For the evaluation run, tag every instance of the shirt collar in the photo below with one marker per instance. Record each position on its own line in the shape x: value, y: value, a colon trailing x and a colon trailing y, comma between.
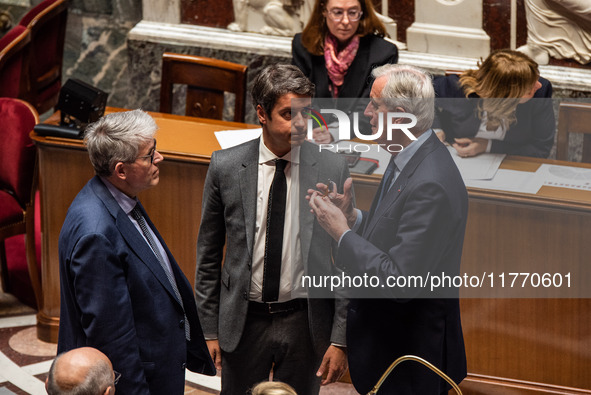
x: 125, y: 202
x: 408, y: 152
x: 265, y: 154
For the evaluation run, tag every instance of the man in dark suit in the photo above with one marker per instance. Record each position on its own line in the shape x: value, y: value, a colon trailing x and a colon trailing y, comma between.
x: 122, y: 291
x: 249, y: 329
x: 415, y: 228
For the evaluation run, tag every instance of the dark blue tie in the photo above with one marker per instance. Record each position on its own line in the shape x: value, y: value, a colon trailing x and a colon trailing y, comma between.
x: 387, y: 180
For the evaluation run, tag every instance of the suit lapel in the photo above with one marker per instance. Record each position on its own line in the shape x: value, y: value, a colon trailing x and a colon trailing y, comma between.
x: 401, y: 182
x: 248, y: 176
x: 132, y: 236
x: 308, y: 179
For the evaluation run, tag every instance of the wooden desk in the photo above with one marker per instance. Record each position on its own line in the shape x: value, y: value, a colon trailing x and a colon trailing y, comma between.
x: 514, y: 346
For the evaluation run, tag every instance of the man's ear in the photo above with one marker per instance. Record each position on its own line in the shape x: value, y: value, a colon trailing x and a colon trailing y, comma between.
x: 110, y: 390
x: 261, y: 114
x: 46, y: 383
x: 120, y: 171
x: 399, y: 119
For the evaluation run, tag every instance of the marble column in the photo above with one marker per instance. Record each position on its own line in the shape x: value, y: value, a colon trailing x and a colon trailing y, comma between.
x: 448, y: 27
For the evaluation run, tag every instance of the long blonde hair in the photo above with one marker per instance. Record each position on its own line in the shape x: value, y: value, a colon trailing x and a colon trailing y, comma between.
x: 316, y: 29
x: 503, y: 78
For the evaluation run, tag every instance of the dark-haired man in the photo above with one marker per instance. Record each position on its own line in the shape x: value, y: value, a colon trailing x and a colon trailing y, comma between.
x: 254, y: 321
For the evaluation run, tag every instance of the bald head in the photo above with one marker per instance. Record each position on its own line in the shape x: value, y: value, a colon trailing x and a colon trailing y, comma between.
x: 83, y: 370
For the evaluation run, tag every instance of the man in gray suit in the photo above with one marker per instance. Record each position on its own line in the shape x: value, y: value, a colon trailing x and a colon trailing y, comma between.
x: 255, y: 323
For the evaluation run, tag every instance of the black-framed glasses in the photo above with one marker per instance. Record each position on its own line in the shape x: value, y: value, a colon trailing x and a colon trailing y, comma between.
x: 117, y: 377
x: 337, y: 14
x: 150, y: 155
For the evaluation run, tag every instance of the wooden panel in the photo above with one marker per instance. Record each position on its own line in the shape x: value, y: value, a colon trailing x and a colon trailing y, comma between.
x: 63, y: 171
x: 175, y: 208
x: 523, y: 346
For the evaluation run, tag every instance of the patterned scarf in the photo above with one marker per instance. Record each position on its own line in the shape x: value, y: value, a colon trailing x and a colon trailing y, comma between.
x: 337, y: 64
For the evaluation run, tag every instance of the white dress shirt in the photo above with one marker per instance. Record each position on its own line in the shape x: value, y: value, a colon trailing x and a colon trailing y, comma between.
x: 292, y: 268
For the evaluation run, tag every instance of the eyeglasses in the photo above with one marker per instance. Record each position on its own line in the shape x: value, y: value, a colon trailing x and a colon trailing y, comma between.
x: 150, y: 155
x: 337, y: 14
x: 117, y: 377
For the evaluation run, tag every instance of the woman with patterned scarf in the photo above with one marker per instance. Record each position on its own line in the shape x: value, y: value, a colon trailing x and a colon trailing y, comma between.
x: 342, y: 42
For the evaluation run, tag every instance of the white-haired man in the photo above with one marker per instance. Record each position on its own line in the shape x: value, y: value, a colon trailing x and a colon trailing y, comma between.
x: 415, y: 226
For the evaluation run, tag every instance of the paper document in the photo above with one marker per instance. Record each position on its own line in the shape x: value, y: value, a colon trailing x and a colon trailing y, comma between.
x: 564, y: 177
x: 480, y: 167
x: 230, y: 138
x: 510, y: 181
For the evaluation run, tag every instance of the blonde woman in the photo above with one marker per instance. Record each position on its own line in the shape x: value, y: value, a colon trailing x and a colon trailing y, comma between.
x: 507, y: 120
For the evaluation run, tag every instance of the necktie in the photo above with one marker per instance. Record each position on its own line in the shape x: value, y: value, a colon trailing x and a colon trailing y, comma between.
x: 137, y: 215
x: 387, y: 180
x: 274, y: 234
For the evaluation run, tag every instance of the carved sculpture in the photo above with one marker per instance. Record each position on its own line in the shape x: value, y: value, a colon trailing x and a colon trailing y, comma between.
x: 284, y: 17
x: 558, y: 28
x: 273, y: 17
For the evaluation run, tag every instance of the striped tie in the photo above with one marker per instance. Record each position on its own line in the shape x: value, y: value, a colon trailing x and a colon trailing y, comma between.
x: 137, y: 215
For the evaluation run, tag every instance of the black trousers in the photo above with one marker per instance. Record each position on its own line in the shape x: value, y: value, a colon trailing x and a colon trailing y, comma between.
x: 272, y: 345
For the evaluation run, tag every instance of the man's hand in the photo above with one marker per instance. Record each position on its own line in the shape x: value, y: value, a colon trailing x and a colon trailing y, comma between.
x: 343, y: 201
x: 334, y: 364
x: 329, y: 216
x: 216, y: 353
x: 467, y: 147
x: 321, y: 135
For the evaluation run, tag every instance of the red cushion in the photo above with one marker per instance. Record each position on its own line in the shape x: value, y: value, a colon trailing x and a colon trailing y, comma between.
x: 10, y: 73
x: 10, y: 211
x: 11, y: 35
x: 17, y: 152
x: 35, y: 11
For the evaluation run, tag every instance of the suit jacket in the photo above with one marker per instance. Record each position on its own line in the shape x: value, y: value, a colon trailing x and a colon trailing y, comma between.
x: 418, y: 228
x: 373, y: 52
x: 531, y: 135
x: 228, y: 218
x: 116, y: 297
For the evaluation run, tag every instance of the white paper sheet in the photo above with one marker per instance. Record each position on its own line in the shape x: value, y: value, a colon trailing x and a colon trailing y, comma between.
x: 230, y: 138
x: 481, y: 167
x: 564, y: 177
x: 510, y: 181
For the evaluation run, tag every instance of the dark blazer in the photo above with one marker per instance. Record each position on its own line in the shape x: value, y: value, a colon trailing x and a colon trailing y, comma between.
x: 373, y: 51
x: 116, y: 297
x: 531, y: 135
x: 417, y: 229
x: 229, y: 218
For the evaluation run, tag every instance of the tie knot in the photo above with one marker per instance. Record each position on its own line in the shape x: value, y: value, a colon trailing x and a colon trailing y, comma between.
x: 136, y: 212
x: 280, y: 164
